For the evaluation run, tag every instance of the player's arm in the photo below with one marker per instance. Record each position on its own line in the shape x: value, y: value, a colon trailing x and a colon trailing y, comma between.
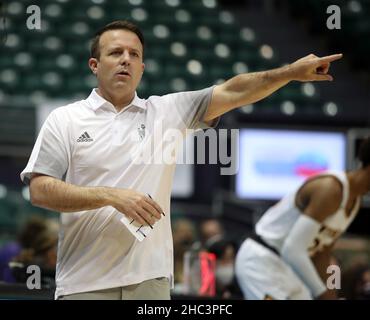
x: 54, y: 194
x: 323, y: 200
x: 248, y: 88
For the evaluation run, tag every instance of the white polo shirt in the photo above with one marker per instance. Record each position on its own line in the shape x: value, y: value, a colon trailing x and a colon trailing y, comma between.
x: 88, y: 143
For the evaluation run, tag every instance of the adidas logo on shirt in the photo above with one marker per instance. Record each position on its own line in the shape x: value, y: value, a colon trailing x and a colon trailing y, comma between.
x: 85, y: 138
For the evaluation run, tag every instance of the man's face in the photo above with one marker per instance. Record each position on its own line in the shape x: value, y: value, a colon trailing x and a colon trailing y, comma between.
x: 120, y: 66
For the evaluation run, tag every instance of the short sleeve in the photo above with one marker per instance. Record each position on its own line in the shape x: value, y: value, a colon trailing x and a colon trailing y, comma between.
x: 187, y: 109
x: 49, y: 155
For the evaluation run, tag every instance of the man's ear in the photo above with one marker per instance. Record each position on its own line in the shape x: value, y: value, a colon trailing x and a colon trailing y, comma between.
x: 143, y: 67
x: 93, y: 65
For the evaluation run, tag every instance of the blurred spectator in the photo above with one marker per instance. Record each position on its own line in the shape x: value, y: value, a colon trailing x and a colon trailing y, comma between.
x: 356, y: 282
x: 209, y: 229
x: 226, y: 284
x: 34, y: 226
x: 43, y: 253
x: 183, y: 238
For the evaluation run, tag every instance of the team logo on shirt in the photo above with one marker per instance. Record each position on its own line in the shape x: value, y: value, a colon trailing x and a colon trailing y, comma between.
x: 141, y: 131
x: 85, y: 137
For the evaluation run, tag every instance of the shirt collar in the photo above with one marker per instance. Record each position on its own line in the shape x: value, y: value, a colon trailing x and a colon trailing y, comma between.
x: 96, y: 101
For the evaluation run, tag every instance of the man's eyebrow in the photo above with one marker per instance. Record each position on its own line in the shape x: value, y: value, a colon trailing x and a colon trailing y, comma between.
x: 114, y: 48
x: 120, y: 48
x: 135, y: 50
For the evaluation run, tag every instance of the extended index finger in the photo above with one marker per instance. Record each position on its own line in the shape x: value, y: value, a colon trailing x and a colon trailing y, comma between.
x: 331, y: 58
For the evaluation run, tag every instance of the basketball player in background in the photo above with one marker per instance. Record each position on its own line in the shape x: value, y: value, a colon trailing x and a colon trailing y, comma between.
x: 289, y: 254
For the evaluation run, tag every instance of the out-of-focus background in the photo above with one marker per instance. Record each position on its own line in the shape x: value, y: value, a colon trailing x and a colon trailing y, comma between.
x: 300, y: 130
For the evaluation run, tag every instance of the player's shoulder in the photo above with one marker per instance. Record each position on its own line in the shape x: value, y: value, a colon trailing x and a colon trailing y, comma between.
x: 324, y: 195
x: 330, y: 183
x: 327, y: 186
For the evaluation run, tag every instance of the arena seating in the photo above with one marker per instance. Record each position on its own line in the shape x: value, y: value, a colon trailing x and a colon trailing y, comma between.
x: 189, y: 45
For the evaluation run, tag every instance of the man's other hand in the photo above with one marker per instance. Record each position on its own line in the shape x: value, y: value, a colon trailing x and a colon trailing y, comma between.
x: 139, y: 207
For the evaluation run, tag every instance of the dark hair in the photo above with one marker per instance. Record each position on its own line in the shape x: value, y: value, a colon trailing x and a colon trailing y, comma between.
x: 115, y: 25
x: 218, y: 245
x: 364, y: 152
x: 34, y: 226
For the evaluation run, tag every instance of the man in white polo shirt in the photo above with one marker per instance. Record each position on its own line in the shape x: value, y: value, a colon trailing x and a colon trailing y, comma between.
x: 115, y: 237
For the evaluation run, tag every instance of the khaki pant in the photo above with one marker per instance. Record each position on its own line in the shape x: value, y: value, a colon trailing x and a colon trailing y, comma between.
x: 154, y: 289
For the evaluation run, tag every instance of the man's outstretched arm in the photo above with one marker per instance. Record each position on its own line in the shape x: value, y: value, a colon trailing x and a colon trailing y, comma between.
x: 248, y: 88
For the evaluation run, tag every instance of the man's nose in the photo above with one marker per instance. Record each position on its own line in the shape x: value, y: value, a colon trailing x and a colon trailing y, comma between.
x: 125, y: 58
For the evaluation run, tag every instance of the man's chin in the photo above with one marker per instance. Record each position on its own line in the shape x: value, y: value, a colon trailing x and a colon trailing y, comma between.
x: 121, y: 84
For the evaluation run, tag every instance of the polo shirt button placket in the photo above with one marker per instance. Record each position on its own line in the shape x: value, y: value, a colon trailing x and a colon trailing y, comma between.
x: 116, y: 136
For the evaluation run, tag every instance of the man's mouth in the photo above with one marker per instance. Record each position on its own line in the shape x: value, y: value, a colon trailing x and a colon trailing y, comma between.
x: 123, y: 73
